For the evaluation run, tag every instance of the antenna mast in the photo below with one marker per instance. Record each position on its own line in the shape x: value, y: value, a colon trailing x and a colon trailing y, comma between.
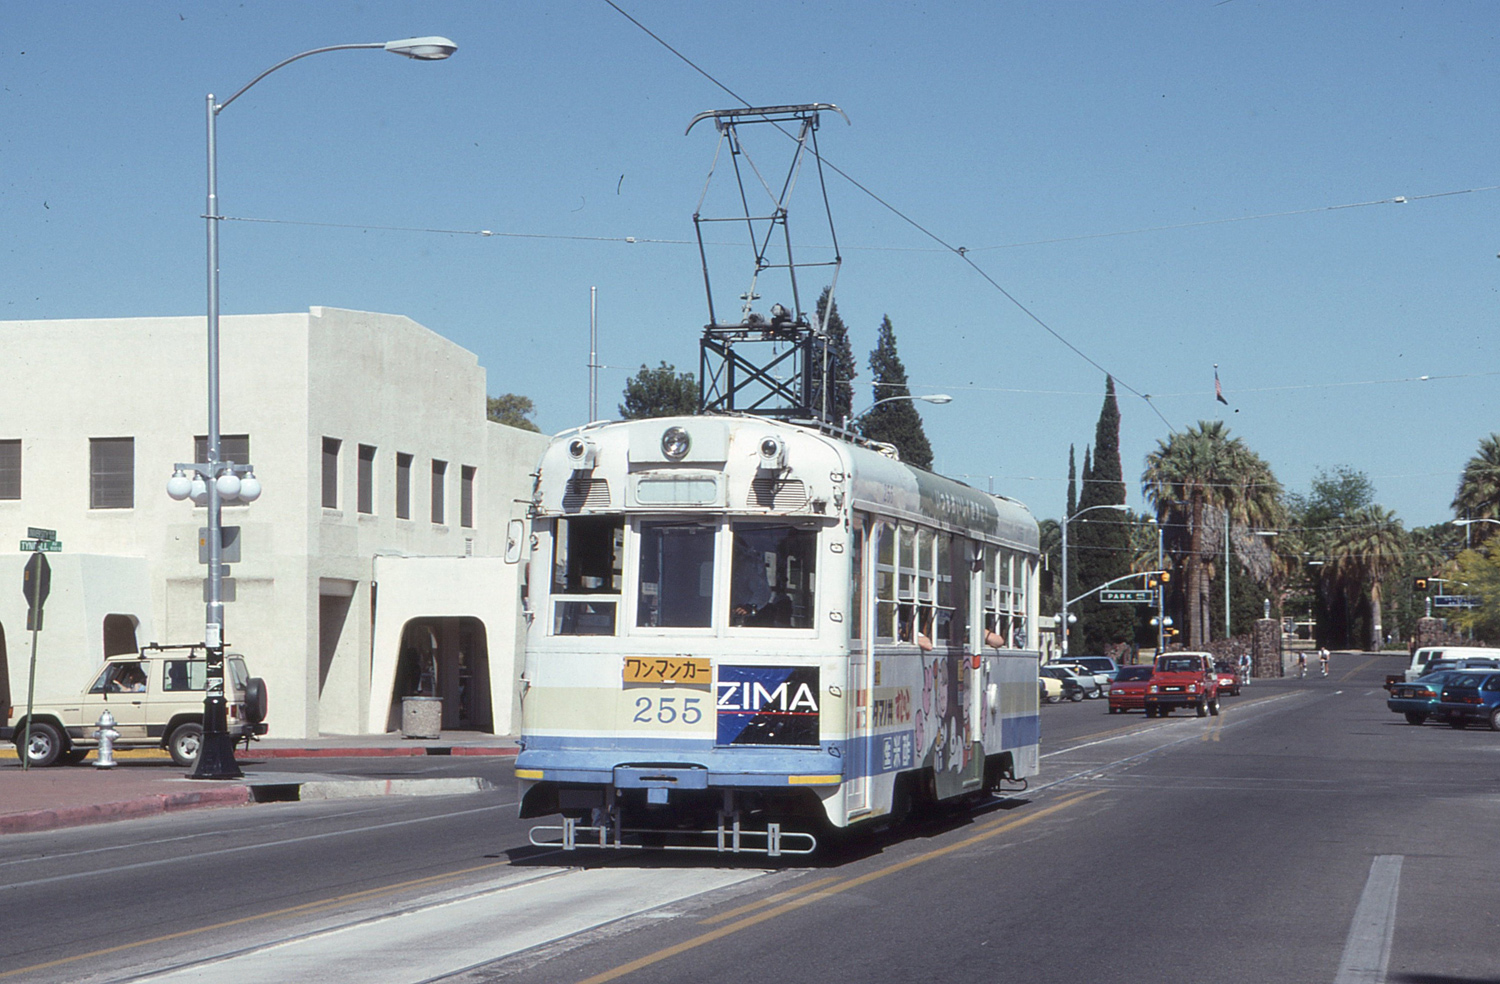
x: 772, y: 366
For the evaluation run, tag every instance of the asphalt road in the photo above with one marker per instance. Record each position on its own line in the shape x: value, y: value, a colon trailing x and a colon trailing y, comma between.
x: 1306, y: 834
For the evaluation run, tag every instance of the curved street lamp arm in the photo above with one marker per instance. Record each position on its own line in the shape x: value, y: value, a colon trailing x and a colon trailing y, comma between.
x: 220, y: 107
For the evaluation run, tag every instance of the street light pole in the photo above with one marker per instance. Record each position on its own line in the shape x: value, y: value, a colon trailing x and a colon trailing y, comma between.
x: 938, y: 398
x: 1065, y: 522
x: 216, y: 752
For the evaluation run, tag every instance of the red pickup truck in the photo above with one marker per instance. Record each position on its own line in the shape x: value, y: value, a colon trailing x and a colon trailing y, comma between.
x: 1183, y: 680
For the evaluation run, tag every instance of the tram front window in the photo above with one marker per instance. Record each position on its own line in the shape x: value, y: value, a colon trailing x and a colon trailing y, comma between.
x: 586, y: 555
x: 772, y: 580
x: 677, y: 575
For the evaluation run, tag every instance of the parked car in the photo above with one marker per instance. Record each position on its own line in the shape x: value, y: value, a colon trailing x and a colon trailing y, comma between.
x: 1427, y: 654
x: 1072, y: 684
x: 1472, y: 697
x: 156, y: 699
x: 1128, y: 692
x: 1097, y: 665
x: 1051, y: 689
x: 1419, y: 699
x: 1094, y: 685
x: 1229, y: 678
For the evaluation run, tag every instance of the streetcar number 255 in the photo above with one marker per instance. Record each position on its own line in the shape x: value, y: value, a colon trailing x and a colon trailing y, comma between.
x: 668, y: 710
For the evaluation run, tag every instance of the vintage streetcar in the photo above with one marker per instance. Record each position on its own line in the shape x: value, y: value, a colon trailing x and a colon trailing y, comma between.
x: 743, y: 632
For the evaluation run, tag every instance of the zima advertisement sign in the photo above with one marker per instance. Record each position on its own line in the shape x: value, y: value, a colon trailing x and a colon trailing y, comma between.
x: 767, y: 705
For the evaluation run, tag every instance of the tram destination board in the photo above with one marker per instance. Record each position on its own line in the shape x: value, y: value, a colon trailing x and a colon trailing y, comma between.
x: 691, y: 671
x: 1146, y: 597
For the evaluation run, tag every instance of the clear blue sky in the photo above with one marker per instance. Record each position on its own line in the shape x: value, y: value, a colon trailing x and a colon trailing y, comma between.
x: 1154, y: 181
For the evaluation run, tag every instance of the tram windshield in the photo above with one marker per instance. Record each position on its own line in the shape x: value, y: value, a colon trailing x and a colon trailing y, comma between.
x: 772, y: 579
x: 676, y: 575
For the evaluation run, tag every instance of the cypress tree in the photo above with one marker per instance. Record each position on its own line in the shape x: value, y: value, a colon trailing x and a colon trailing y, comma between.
x: 1104, y: 534
x: 840, y: 364
x: 897, y: 421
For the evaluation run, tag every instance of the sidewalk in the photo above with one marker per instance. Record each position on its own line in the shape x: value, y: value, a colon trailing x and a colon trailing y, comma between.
x: 145, y: 783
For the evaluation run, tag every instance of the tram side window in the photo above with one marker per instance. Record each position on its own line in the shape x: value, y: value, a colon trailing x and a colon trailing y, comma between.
x: 586, y: 560
x: 772, y: 577
x: 884, y: 542
x: 676, y: 576
x: 997, y: 595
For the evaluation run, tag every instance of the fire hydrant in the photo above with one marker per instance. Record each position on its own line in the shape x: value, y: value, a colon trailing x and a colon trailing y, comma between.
x: 106, y: 734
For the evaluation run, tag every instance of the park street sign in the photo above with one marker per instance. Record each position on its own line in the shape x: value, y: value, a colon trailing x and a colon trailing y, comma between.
x: 1455, y: 601
x: 1134, y: 597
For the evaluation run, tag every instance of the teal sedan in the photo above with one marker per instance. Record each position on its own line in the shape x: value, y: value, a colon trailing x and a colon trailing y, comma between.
x: 1419, y: 699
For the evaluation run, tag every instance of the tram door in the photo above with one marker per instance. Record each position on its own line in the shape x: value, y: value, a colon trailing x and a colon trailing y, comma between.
x: 857, y: 761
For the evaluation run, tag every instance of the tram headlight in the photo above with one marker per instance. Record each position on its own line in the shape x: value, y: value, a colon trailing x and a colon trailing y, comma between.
x: 675, y: 443
x: 583, y: 452
x: 772, y: 453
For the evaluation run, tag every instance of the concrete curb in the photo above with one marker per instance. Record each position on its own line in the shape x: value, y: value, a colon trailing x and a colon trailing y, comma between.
x: 360, y: 788
x: 391, y: 751
x: 77, y: 816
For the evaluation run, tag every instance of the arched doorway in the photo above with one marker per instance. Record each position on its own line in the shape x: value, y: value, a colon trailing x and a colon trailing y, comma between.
x: 446, y: 658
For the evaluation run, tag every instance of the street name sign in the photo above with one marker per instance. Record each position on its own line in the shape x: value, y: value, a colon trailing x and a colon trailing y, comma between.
x: 1134, y: 597
x: 41, y: 546
x: 1455, y: 601
x: 37, y: 533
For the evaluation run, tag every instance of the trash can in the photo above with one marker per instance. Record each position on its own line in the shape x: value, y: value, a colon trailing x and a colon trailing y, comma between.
x: 421, y: 717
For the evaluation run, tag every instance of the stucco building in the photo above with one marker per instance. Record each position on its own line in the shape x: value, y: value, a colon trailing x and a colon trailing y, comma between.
x: 372, y: 566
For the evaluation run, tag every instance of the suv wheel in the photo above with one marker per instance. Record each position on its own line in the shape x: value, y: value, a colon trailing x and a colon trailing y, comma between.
x: 1203, y: 709
x: 45, y: 745
x: 185, y: 742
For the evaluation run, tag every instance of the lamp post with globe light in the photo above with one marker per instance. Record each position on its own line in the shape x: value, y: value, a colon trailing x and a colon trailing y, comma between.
x: 215, y: 481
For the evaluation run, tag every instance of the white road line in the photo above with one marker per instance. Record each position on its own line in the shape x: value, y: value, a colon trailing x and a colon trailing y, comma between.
x: 244, y: 848
x: 445, y: 939
x: 1367, y: 951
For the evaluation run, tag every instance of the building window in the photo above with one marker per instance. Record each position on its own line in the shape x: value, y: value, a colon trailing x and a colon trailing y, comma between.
x: 232, y: 447
x: 331, y: 447
x: 403, y: 486
x: 10, y: 469
x: 111, y: 472
x: 466, y: 497
x: 439, y: 475
x: 366, y: 479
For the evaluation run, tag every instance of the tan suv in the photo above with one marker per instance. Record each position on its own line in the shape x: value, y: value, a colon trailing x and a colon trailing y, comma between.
x: 156, y: 698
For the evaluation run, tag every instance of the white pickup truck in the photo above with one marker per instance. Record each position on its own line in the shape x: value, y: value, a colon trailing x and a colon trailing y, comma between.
x: 1430, y: 654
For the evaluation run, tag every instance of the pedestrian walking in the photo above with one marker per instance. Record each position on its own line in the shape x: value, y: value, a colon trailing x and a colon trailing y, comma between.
x: 1245, y: 669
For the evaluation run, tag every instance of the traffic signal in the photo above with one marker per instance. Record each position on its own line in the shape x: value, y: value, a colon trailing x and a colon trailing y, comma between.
x: 1158, y: 578
x: 1419, y: 584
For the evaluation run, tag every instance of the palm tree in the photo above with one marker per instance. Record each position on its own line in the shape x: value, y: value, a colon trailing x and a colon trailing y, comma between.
x: 1366, y: 552
x: 1479, y: 489
x: 1199, y: 479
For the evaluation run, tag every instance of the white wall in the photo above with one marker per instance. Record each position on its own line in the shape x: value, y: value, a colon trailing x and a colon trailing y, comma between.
x: 287, y: 380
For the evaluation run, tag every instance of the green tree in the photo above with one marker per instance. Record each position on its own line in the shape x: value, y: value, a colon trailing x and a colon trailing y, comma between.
x: 511, y: 409
x: 841, y: 369
x: 895, y: 421
x: 659, y: 392
x: 1196, y: 480
x: 1335, y: 498
x: 1479, y: 570
x: 1479, y: 489
x: 1103, y: 535
x: 1363, y: 554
